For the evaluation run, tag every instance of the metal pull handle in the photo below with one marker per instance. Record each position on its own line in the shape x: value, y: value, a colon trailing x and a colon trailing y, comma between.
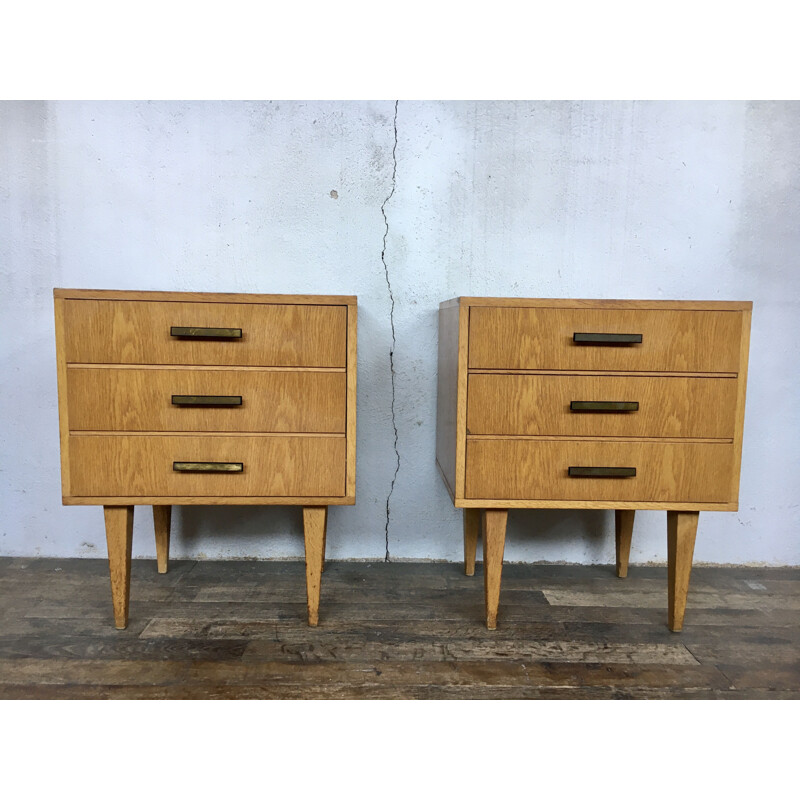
x: 602, y: 472
x: 607, y: 406
x: 207, y: 466
x: 206, y: 400
x: 206, y: 333
x: 607, y: 338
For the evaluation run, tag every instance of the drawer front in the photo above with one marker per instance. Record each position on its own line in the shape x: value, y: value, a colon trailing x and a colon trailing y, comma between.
x: 525, y: 469
x: 702, y: 408
x: 130, y: 399
x: 272, y: 466
x: 542, y: 338
x: 138, y: 332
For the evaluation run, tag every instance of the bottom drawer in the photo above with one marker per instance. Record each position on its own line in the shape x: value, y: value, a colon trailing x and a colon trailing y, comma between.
x: 526, y: 469
x: 142, y: 466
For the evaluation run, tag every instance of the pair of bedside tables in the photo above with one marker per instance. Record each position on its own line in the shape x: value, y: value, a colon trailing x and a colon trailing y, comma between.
x: 170, y: 398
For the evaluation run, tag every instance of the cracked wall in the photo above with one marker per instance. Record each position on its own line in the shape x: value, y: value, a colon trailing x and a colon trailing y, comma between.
x: 404, y: 205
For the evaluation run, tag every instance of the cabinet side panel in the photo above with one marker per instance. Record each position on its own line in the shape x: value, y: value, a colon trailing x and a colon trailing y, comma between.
x: 744, y: 357
x: 447, y: 395
x: 63, y: 418
x: 352, y: 369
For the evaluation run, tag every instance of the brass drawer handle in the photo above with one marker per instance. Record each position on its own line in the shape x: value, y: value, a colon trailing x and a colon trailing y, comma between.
x: 602, y: 472
x: 207, y: 466
x: 607, y: 406
x: 607, y: 338
x: 206, y: 400
x: 206, y: 333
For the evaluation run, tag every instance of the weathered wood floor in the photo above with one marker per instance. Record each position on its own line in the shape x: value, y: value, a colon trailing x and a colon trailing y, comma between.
x: 400, y: 630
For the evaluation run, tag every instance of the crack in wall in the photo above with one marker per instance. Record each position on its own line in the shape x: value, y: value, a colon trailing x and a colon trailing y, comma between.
x: 391, y: 322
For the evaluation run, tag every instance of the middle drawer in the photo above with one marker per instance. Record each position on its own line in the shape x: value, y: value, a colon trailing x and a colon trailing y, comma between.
x: 160, y: 399
x: 531, y: 405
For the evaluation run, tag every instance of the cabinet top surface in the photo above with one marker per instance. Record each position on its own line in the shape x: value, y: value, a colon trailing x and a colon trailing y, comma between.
x: 527, y: 302
x: 205, y: 297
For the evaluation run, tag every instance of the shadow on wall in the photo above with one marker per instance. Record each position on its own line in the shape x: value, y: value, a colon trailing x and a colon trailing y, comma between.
x: 553, y: 531
x: 250, y: 530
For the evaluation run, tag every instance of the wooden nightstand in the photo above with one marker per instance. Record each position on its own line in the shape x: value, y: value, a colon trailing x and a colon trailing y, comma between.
x: 612, y: 404
x: 172, y: 398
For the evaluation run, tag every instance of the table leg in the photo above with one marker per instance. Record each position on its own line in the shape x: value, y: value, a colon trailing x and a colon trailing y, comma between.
x: 623, y: 529
x: 472, y: 524
x: 119, y: 535
x: 161, y: 521
x: 314, y: 524
x: 681, y: 534
x: 494, y: 539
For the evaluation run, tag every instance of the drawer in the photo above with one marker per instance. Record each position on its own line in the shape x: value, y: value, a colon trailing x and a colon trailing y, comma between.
x: 273, y: 466
x: 525, y: 469
x: 139, y: 332
x: 132, y: 399
x: 542, y: 338
x: 701, y: 408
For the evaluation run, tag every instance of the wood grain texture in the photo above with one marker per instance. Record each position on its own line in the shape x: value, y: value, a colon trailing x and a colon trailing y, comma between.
x: 744, y: 358
x: 541, y: 338
x: 352, y: 382
x: 315, y: 520
x: 447, y: 395
x: 540, y: 405
x: 461, y: 399
x: 103, y: 399
x: 681, y: 533
x: 531, y: 469
x: 205, y: 297
x: 141, y: 466
x: 55, y: 643
x: 623, y: 534
x: 494, y: 537
x: 121, y: 332
x: 63, y: 407
x: 472, y: 526
x: 641, y: 505
x: 622, y: 305
x: 162, y: 516
x: 119, y: 536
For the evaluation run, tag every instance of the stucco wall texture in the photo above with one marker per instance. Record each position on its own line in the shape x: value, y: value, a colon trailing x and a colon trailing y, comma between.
x: 404, y: 205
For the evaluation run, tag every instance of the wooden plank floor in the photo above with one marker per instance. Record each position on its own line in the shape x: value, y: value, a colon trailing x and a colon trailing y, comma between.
x: 236, y: 629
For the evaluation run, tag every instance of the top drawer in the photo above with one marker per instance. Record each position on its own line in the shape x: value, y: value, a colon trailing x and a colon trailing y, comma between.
x: 138, y: 332
x: 542, y: 338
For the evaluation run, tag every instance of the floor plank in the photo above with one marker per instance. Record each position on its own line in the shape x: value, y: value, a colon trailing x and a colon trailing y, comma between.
x: 407, y: 630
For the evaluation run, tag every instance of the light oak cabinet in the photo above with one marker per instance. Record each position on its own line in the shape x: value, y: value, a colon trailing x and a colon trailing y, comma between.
x: 591, y: 404
x: 173, y: 398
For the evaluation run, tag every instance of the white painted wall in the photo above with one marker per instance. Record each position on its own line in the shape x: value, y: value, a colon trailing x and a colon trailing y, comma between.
x: 531, y: 199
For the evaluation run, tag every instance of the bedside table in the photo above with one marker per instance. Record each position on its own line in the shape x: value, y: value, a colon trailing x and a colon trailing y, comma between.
x: 611, y: 404
x: 173, y: 398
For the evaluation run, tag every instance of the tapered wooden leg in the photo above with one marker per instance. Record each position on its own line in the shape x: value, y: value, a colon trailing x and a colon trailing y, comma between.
x: 472, y: 524
x: 681, y: 533
x: 494, y: 539
x: 324, y: 539
x: 119, y: 534
x: 314, y: 523
x: 161, y: 520
x: 623, y: 525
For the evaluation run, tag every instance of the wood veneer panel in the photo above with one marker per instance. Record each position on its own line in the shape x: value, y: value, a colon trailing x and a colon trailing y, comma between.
x: 560, y: 302
x: 447, y: 397
x: 509, y: 469
x: 278, y: 466
x: 205, y: 297
x: 540, y: 405
x: 542, y: 338
x: 123, y: 332
x: 107, y: 399
x: 352, y: 379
